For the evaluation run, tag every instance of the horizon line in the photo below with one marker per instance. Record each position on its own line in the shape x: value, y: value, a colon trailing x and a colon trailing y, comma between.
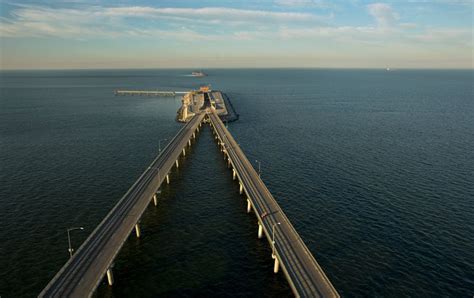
x: 265, y: 67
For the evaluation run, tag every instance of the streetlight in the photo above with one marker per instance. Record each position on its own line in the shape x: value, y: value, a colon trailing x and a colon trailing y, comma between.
x: 159, y: 144
x: 273, y: 239
x: 259, y: 168
x: 69, y: 238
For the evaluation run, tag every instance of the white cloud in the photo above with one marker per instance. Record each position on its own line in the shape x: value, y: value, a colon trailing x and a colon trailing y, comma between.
x: 217, y: 23
x: 446, y: 36
x: 408, y: 25
x: 38, y: 21
x: 383, y: 13
x: 332, y: 32
x: 451, y: 2
x: 302, y: 3
x: 98, y: 21
x: 210, y: 14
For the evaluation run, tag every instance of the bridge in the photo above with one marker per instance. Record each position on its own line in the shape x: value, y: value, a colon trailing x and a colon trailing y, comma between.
x: 83, y: 272
x: 305, y: 276
x: 80, y: 276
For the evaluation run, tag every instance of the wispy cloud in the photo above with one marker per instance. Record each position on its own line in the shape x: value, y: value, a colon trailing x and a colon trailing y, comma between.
x: 453, y: 2
x: 383, y: 13
x: 303, y: 3
x: 210, y: 13
x: 294, y: 26
x: 458, y: 36
x: 37, y: 21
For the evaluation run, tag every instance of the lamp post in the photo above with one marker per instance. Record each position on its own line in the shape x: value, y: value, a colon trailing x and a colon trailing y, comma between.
x: 273, y: 238
x: 69, y: 239
x: 159, y: 144
x: 259, y: 167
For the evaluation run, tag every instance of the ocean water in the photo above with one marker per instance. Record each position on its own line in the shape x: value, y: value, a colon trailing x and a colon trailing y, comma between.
x: 375, y: 170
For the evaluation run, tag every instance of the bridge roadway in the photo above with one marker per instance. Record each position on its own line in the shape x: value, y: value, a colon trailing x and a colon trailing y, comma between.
x: 303, y: 273
x: 80, y: 276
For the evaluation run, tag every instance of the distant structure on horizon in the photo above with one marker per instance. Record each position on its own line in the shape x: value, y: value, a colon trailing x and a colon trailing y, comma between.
x: 198, y: 73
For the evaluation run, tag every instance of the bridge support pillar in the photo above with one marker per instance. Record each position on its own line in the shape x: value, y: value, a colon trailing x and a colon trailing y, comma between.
x: 155, y: 199
x: 228, y: 162
x: 233, y: 174
x: 194, y: 135
x: 260, y: 231
x: 177, y: 164
x: 276, y: 266
x: 137, y: 230
x: 168, y: 179
x: 110, y: 277
x: 189, y: 142
x: 249, y: 206
x: 241, y: 188
x: 184, y: 152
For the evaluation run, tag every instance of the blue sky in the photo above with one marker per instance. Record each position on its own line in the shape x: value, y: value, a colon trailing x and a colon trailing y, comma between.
x: 206, y: 34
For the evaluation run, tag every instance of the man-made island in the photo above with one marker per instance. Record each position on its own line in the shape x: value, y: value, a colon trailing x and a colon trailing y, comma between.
x: 198, y: 100
x: 193, y: 101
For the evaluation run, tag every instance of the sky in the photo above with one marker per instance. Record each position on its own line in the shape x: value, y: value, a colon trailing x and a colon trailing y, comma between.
x: 52, y: 34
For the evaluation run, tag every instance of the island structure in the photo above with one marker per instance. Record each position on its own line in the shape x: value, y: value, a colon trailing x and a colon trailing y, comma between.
x: 193, y: 101
x: 198, y: 100
x: 198, y: 73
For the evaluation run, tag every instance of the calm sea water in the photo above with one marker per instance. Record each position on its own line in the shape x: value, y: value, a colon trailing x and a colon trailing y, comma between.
x: 375, y: 169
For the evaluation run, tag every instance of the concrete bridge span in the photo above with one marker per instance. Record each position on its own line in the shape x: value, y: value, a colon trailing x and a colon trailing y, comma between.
x: 93, y: 261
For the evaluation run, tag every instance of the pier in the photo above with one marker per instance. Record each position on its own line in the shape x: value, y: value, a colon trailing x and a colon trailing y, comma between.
x: 93, y: 261
x: 149, y: 93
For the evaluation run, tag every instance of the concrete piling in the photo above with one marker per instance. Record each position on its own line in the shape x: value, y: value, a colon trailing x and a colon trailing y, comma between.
x: 110, y: 277
x: 276, y: 266
x: 137, y: 230
x: 260, y: 231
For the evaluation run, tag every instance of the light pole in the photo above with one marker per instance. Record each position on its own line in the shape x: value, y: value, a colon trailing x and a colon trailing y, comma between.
x: 259, y: 168
x: 69, y: 238
x: 159, y: 144
x: 273, y: 238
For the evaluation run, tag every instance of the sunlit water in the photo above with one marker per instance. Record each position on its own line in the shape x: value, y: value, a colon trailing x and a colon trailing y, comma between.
x: 374, y: 169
